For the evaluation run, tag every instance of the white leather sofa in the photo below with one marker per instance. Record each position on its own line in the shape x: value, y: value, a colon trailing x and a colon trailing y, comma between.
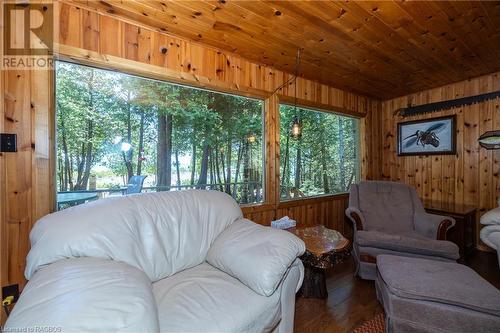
x: 158, y: 262
x: 490, y: 233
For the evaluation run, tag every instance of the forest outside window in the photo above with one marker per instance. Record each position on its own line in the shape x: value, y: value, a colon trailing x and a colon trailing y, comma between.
x: 112, y: 126
x: 323, y: 159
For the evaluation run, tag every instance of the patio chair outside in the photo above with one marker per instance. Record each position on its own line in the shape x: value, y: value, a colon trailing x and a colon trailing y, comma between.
x: 135, y: 184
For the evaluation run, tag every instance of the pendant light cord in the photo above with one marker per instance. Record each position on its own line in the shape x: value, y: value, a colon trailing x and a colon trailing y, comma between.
x: 294, y: 78
x: 297, y: 64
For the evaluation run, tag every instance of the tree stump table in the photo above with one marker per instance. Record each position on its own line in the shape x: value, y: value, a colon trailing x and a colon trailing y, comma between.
x: 325, y: 248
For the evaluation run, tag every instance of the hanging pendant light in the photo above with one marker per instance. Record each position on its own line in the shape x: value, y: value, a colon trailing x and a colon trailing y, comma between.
x: 296, y: 129
x: 251, y: 138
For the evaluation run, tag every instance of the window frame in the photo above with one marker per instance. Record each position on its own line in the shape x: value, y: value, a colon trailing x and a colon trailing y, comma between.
x: 272, y: 100
x: 139, y: 73
x: 312, y: 106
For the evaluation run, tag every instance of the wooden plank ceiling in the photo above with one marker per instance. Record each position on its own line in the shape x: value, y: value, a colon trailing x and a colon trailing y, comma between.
x: 381, y: 49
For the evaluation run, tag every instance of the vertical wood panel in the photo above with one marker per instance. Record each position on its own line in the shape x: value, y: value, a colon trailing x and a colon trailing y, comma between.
x: 131, y: 42
x: 272, y: 149
x: 90, y: 27
x: 18, y: 166
x: 43, y: 143
x: 109, y: 38
x: 69, y: 26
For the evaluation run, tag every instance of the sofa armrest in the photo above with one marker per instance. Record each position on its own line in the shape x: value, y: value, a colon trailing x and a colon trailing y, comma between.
x: 86, y: 295
x: 490, y: 235
x: 356, y: 217
x: 258, y: 256
x: 289, y: 287
x: 491, y: 217
x: 433, y: 226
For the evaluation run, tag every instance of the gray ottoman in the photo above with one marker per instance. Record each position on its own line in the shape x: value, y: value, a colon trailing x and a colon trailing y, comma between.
x: 422, y: 295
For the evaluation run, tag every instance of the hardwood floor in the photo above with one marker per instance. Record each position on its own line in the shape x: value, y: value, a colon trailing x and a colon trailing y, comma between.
x: 352, y: 301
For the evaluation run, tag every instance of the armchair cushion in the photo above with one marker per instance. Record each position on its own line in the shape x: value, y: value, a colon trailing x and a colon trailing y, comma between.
x: 258, y: 256
x: 407, y: 243
x: 386, y: 206
x: 428, y: 224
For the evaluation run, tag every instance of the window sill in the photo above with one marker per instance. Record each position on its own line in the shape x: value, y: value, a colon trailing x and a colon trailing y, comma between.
x: 263, y: 207
x: 313, y: 199
x: 256, y: 208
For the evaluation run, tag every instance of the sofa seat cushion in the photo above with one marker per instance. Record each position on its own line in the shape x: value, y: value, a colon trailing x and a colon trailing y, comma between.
x: 407, y: 243
x: 443, y: 282
x: 205, y: 299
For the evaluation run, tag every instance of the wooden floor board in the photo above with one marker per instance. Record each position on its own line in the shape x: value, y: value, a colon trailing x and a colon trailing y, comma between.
x: 351, y: 301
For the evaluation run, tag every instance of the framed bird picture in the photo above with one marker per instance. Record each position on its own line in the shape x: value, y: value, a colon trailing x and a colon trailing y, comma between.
x: 434, y: 136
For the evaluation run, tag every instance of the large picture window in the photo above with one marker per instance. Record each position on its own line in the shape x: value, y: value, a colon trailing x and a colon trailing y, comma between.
x: 323, y: 159
x: 119, y: 134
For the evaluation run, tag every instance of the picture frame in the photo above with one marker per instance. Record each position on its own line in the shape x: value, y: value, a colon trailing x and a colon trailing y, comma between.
x: 432, y: 136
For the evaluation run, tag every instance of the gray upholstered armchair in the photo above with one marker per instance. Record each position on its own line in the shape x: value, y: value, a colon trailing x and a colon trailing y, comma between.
x: 389, y: 218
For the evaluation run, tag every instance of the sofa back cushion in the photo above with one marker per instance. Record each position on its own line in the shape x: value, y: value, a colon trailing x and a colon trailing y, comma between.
x: 159, y: 233
x: 386, y: 206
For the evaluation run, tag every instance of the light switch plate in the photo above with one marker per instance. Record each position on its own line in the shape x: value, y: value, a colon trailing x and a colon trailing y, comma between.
x: 12, y: 290
x: 8, y: 143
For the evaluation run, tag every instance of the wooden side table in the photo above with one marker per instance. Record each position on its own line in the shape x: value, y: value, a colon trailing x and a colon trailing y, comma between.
x: 325, y: 248
x: 464, y: 232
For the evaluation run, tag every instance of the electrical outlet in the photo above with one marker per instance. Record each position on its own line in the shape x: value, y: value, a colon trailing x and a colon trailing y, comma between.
x: 12, y: 290
x: 8, y: 143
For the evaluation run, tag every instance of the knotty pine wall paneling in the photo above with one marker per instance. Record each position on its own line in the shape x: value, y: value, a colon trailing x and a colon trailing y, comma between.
x: 472, y: 176
x: 27, y: 186
x: 370, y: 143
x: 4, y: 251
x: 328, y: 210
x: 101, y: 39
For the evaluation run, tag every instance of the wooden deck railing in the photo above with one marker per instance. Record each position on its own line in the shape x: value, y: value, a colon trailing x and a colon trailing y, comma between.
x: 244, y: 192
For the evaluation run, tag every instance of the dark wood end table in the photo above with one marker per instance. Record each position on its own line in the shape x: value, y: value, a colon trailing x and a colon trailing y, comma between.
x: 464, y: 232
x: 325, y: 248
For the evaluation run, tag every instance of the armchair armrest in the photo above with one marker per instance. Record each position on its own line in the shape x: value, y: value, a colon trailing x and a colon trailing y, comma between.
x: 86, y: 295
x: 433, y: 226
x: 258, y: 256
x: 356, y: 217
